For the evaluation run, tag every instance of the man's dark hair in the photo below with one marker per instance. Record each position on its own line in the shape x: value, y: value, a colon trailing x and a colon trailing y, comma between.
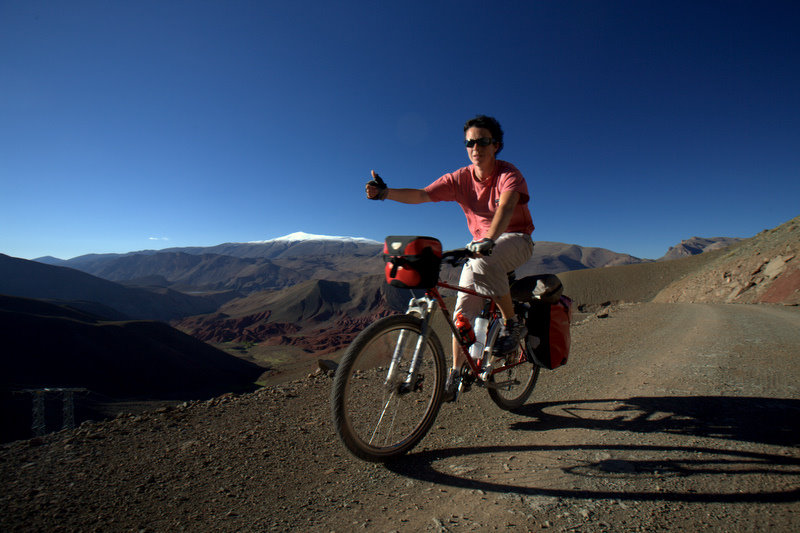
x: 488, y: 123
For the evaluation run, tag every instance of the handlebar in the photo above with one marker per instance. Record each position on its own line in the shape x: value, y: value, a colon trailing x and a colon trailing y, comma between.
x: 457, y: 257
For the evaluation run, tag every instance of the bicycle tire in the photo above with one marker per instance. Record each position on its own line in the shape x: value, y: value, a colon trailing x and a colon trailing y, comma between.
x: 377, y: 421
x: 511, y: 388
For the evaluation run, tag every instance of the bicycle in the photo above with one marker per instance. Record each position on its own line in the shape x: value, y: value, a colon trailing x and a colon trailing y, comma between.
x: 388, y: 386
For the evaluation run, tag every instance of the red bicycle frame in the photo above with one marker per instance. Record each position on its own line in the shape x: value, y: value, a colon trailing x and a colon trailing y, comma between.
x: 474, y: 365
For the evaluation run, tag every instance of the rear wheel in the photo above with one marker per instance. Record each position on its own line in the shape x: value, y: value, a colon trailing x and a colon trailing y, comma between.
x: 381, y: 410
x: 511, y: 388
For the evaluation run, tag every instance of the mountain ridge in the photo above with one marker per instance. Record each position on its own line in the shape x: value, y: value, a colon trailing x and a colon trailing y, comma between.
x: 29, y: 279
x: 177, y: 283
x: 278, y: 263
x: 296, y: 242
x: 283, y: 331
x: 697, y: 245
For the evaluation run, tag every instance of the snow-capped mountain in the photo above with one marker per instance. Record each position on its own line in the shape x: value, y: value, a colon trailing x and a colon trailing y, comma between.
x: 292, y: 246
x: 300, y: 236
x: 246, y: 267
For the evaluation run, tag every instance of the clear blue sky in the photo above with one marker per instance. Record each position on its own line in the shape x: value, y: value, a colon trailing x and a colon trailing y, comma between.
x: 131, y: 125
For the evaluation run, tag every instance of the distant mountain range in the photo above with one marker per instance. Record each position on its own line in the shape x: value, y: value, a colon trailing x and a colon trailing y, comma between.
x: 279, y: 291
x: 245, y: 267
x: 294, y: 245
x: 698, y: 245
x: 176, y: 283
x: 31, y: 279
x: 283, y: 262
x: 301, y: 294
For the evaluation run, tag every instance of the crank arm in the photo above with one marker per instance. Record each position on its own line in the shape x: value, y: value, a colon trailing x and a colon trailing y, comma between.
x: 500, y: 384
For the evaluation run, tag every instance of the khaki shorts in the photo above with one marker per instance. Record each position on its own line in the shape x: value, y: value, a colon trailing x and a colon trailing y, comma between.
x: 489, y: 275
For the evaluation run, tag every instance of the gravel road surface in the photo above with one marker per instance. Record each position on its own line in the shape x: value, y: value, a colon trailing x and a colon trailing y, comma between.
x: 678, y: 417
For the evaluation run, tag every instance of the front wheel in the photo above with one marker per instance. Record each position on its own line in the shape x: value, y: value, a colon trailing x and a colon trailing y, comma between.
x: 382, y: 405
x: 511, y: 388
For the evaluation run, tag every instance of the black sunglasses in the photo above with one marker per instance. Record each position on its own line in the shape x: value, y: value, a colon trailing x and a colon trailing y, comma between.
x: 483, y: 141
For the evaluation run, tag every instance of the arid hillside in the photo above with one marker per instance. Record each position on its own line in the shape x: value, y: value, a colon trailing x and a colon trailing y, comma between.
x: 30, y: 279
x: 762, y: 269
x: 48, y: 346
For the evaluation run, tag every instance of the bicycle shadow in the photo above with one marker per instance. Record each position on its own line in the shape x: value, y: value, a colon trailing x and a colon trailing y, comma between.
x: 749, y: 419
x: 637, y: 471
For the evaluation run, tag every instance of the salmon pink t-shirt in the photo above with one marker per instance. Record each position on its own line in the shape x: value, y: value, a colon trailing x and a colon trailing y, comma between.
x: 479, y: 199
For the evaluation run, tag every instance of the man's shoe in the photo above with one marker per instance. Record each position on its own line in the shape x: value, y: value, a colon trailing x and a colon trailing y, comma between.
x: 451, y: 386
x: 511, y: 335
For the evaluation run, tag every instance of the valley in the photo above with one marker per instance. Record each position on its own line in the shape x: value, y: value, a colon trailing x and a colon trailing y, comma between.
x: 277, y: 307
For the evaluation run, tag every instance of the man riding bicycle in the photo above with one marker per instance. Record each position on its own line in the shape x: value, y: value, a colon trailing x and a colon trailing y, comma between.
x: 494, y: 197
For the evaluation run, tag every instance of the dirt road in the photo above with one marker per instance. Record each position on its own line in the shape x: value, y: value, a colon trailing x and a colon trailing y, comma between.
x: 676, y: 417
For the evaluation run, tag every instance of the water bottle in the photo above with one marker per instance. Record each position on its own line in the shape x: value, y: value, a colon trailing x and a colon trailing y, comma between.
x: 481, y: 326
x: 465, y: 329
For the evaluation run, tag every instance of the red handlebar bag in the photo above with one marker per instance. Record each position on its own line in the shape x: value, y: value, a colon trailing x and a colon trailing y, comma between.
x: 412, y: 262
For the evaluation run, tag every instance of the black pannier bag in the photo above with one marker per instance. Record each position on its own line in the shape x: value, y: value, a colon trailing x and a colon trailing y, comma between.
x: 543, y: 287
x: 548, y: 319
x: 412, y: 262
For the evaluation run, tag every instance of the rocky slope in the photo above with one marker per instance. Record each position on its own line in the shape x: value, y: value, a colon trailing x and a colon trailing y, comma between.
x: 763, y: 269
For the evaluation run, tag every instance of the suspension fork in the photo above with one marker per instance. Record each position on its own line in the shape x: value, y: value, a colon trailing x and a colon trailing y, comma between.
x: 421, y: 307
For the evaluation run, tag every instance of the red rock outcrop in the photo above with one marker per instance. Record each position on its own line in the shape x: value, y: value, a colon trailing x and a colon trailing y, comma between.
x: 336, y: 337
x: 251, y: 328
x: 258, y: 329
